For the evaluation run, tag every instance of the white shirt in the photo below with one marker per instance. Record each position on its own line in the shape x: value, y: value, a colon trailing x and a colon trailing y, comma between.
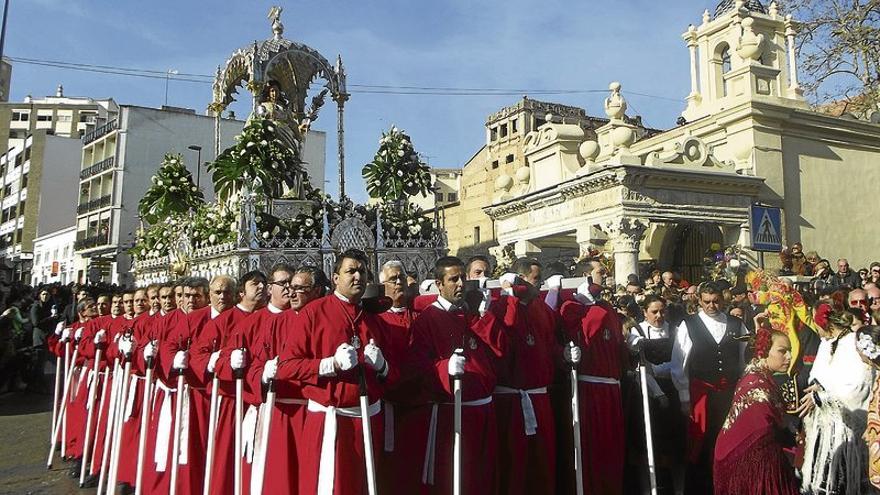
x: 239, y: 306
x: 214, y: 313
x: 634, y: 341
x: 273, y: 309
x: 682, y: 346
x: 396, y: 309
x: 442, y: 303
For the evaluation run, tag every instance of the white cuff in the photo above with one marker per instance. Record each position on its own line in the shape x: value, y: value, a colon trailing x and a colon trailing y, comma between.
x: 327, y: 367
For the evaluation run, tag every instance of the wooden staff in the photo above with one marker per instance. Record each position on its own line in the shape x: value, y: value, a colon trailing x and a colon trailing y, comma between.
x: 576, y: 426
x: 117, y: 434
x: 145, y: 420
x: 57, y: 427
x: 111, y: 423
x: 646, y: 409
x: 456, y: 441
x: 178, y: 412
x: 368, y: 437
x: 212, y: 426
x: 93, y: 389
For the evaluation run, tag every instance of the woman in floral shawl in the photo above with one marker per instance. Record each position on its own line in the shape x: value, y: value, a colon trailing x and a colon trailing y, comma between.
x: 868, y: 345
x: 749, y: 456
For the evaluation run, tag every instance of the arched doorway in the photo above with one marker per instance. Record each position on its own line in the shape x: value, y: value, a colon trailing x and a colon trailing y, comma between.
x: 685, y: 247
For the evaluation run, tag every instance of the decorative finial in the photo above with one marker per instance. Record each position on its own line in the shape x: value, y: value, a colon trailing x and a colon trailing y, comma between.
x: 275, y: 17
x: 706, y: 16
x: 59, y: 92
x: 615, y: 104
x: 774, y: 9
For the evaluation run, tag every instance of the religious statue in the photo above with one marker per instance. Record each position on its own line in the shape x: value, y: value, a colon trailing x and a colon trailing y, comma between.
x: 274, y: 106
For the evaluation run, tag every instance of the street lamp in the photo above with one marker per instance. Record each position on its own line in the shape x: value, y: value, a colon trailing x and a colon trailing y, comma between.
x: 197, y: 149
x: 171, y: 72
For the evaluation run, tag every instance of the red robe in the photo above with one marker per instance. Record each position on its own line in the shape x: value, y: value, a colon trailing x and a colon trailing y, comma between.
x: 75, y: 411
x: 188, y: 330
x: 527, y: 462
x: 405, y: 415
x: 157, y: 478
x: 596, y: 329
x: 114, y: 331
x: 142, y: 333
x: 327, y: 323
x: 220, y: 333
x: 267, y: 336
x: 435, y: 334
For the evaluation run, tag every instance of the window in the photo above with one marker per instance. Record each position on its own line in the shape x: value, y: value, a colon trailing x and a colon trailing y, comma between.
x: 438, y: 197
x: 452, y: 197
x: 20, y: 116
x: 508, y: 159
x: 476, y: 235
x: 13, y: 134
x: 493, y: 134
x: 503, y: 130
x: 21, y: 207
x: 27, y: 153
x: 44, y: 118
x: 87, y: 117
x: 64, y: 118
x: 24, y: 181
x: 725, y: 61
x: 7, y: 190
x: 495, y: 164
x: 513, y: 126
x: 19, y: 159
x: 18, y: 236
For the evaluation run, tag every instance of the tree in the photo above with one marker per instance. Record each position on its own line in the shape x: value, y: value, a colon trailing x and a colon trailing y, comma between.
x: 839, y: 51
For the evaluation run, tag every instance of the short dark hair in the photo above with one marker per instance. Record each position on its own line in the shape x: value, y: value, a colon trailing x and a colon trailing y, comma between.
x: 478, y: 257
x: 280, y: 267
x: 583, y: 266
x: 197, y: 283
x: 351, y: 254
x: 319, y: 279
x: 556, y: 268
x: 445, y: 262
x: 652, y: 298
x: 522, y: 266
x: 709, y: 288
x: 251, y: 275
x: 81, y: 306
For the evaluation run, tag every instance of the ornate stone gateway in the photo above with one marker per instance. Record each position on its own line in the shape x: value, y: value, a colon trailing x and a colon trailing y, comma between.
x: 267, y: 212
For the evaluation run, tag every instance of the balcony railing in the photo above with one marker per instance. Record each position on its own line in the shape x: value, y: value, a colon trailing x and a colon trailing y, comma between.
x: 97, y: 168
x: 94, y: 204
x: 99, y: 132
x: 90, y: 242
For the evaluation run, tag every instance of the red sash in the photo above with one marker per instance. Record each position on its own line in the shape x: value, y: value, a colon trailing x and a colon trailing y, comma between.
x: 700, y: 414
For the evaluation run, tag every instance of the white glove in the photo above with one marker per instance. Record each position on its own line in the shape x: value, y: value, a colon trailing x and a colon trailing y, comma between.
x: 149, y: 350
x: 59, y: 328
x: 181, y: 360
x: 373, y: 356
x: 65, y: 335
x: 507, y: 281
x: 345, y: 357
x: 125, y: 346
x: 78, y: 334
x: 236, y: 359
x: 554, y: 282
x: 270, y: 369
x: 101, y: 336
x: 212, y: 361
x: 572, y: 353
x: 456, y: 363
x: 483, y: 282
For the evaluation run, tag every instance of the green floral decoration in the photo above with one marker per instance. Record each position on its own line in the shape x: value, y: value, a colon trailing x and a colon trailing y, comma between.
x: 406, y: 221
x: 172, y: 191
x: 155, y: 240
x: 258, y: 154
x: 213, y: 224
x: 396, y: 171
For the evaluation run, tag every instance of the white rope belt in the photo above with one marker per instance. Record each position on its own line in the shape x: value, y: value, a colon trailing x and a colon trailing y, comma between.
x: 431, y: 447
x: 163, y: 431
x: 253, y: 426
x: 328, y: 442
x: 598, y: 379
x: 132, y: 392
x: 530, y: 421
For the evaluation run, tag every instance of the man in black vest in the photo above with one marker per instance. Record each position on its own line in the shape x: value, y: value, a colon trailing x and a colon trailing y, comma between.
x: 707, y: 361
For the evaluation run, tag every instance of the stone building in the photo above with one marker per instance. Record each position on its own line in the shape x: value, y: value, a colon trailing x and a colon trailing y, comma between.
x: 746, y: 136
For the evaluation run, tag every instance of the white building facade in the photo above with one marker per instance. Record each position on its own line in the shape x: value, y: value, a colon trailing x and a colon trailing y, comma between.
x: 55, y: 260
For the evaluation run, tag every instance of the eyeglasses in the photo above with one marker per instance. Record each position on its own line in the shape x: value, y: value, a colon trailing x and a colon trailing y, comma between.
x: 400, y: 279
x: 281, y: 283
x: 300, y: 289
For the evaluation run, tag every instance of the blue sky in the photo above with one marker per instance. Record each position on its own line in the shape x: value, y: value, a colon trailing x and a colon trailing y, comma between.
x: 456, y: 43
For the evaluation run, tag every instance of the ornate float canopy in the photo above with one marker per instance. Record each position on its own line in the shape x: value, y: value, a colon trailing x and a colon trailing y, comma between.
x: 293, y: 66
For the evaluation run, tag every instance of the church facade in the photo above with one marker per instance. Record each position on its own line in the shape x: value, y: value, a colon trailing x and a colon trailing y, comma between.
x: 746, y: 136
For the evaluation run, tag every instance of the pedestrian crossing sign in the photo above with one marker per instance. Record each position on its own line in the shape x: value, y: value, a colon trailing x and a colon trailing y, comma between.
x: 766, y: 228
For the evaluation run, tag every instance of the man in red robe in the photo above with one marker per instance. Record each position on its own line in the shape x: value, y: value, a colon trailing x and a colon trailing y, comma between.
x: 340, y: 345
x: 279, y: 459
x: 527, y: 436
x: 405, y: 417
x: 220, y: 333
x: 76, y: 411
x: 175, y: 349
x: 450, y: 338
x: 595, y: 329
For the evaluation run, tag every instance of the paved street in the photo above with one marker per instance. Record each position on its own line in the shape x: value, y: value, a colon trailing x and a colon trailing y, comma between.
x: 24, y: 436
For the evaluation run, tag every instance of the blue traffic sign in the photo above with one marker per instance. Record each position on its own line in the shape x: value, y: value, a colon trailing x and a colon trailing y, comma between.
x: 765, y: 226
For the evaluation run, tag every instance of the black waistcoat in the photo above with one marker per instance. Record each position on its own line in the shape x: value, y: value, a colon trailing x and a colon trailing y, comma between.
x: 708, y: 361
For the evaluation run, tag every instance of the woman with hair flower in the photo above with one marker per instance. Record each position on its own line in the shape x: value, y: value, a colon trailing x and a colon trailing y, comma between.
x: 868, y: 345
x: 749, y: 452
